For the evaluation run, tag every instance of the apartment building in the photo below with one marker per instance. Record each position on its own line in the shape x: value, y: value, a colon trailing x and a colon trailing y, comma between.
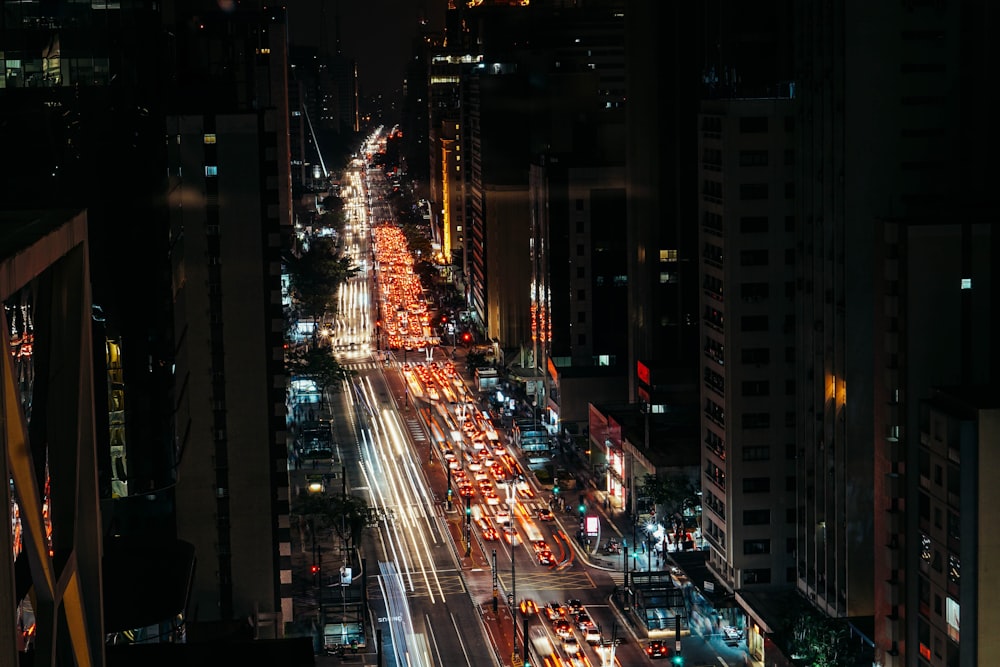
x: 746, y: 210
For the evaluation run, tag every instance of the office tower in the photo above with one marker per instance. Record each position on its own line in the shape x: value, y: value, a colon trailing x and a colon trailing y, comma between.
x: 747, y: 245
x: 663, y: 65
x: 896, y: 232
x: 517, y: 101
x: 229, y: 190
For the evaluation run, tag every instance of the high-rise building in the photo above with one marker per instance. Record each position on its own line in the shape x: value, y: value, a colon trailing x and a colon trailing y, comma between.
x: 747, y: 242
x: 229, y: 210
x: 897, y: 226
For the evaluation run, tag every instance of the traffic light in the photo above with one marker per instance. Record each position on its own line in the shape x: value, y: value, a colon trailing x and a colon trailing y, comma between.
x: 583, y: 505
x: 468, y: 509
x: 678, y: 659
x: 314, y: 569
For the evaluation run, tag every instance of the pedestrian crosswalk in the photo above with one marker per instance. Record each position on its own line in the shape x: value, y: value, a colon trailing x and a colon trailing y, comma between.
x: 362, y: 365
x: 417, y: 432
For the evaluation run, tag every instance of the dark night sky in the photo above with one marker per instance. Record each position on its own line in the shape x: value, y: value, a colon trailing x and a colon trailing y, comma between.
x: 376, y: 33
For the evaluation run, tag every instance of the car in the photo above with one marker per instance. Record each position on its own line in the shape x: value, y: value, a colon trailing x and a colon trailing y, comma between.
x: 490, y: 534
x: 574, y: 606
x: 555, y: 611
x: 503, y: 516
x: 657, y: 649
x: 731, y: 633
x: 545, y: 514
x: 570, y: 645
x: 529, y: 607
x: 592, y: 636
x: 546, y: 558
x: 466, y: 491
x: 562, y: 628
x: 584, y: 622
x: 491, y: 498
x: 540, y: 545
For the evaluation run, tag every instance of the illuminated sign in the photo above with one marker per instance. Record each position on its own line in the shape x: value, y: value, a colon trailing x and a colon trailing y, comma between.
x: 593, y: 526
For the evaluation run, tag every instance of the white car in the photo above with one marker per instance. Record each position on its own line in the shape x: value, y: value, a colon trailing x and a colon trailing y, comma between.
x: 570, y: 645
x: 592, y: 636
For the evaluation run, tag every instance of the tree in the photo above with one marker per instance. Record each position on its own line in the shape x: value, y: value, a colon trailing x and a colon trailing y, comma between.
x: 317, y: 364
x: 670, y: 492
x: 819, y: 640
x: 475, y: 360
x: 316, y: 275
x: 346, y: 515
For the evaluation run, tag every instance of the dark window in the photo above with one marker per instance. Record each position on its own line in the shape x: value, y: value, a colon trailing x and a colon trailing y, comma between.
x: 753, y: 158
x: 756, y: 517
x: 757, y: 576
x: 753, y: 191
x: 581, y: 294
x: 789, y: 123
x: 753, y: 224
x: 756, y: 388
x: 756, y: 420
x: 789, y: 157
x: 756, y: 355
x: 581, y: 317
x: 790, y: 190
x: 756, y: 484
x: 579, y: 226
x: 579, y: 204
x: 580, y: 272
x: 753, y: 124
x: 758, y: 453
x: 790, y: 515
x: 753, y: 257
x: 790, y: 257
x: 751, y: 547
x: 789, y: 223
x: 753, y: 323
x: 581, y: 339
x: 579, y: 250
x: 753, y: 292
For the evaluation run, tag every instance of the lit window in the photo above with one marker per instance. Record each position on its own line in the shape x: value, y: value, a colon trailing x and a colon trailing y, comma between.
x: 209, y: 138
x: 668, y: 255
x: 966, y: 283
x: 211, y: 170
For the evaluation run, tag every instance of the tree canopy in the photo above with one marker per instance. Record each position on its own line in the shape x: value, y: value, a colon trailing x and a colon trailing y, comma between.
x: 670, y: 491
x: 317, y: 364
x: 346, y: 515
x: 316, y: 275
